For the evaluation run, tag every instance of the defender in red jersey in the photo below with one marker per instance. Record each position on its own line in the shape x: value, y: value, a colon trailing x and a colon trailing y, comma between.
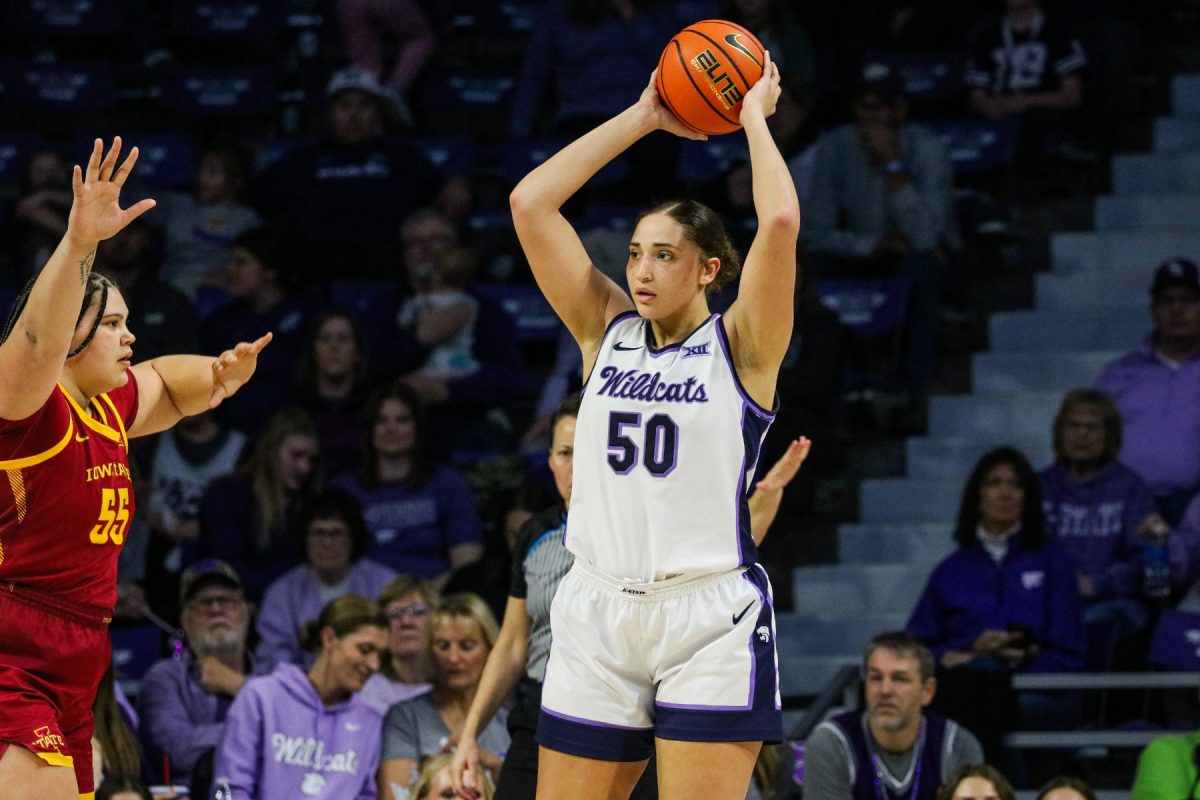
x: 70, y: 400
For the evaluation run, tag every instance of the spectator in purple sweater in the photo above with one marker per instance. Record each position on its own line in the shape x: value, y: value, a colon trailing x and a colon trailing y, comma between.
x: 183, y: 701
x: 1098, y: 511
x: 335, y: 538
x: 1006, y: 596
x: 1154, y: 386
x: 307, y: 734
x: 1005, y: 601
x: 421, y: 516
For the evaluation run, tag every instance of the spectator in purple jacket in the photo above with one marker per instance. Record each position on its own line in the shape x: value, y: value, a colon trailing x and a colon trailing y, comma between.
x: 421, y: 516
x: 335, y: 538
x: 1098, y: 511
x: 183, y: 700
x: 1154, y: 387
x: 1005, y: 601
x: 307, y: 734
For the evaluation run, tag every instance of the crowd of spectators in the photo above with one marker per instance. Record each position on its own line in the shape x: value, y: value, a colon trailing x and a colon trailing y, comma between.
x: 410, y: 348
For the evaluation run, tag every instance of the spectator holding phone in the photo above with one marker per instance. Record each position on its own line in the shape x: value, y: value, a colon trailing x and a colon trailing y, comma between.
x: 1005, y: 601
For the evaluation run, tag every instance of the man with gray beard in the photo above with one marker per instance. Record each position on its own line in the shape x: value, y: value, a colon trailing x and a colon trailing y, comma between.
x: 183, y: 699
x: 895, y: 750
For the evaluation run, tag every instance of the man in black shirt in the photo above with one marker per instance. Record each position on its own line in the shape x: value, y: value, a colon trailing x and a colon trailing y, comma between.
x: 342, y: 196
x: 1023, y: 62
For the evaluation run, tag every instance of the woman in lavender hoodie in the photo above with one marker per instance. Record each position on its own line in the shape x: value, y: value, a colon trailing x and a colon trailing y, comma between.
x: 335, y: 539
x: 294, y: 734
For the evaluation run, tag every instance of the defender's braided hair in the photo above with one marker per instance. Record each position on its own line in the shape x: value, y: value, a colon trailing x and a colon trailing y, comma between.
x: 97, y: 284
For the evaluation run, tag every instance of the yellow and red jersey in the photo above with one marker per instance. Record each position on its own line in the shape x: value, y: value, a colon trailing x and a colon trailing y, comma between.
x: 66, y: 499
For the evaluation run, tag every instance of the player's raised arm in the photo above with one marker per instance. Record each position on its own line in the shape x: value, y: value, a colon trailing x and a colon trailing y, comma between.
x: 761, y: 317
x: 37, y: 338
x: 580, y: 294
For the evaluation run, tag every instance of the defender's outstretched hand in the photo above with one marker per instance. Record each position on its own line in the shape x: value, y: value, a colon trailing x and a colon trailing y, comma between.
x: 96, y: 212
x: 234, y: 367
x: 783, y: 470
x: 663, y: 117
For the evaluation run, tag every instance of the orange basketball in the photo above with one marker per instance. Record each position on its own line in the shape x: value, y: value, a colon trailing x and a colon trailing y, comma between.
x: 705, y: 71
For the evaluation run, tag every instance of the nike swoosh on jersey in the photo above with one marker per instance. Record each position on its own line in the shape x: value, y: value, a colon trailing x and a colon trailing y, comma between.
x: 732, y: 40
x: 738, y: 617
x: 79, y: 438
x: 618, y: 346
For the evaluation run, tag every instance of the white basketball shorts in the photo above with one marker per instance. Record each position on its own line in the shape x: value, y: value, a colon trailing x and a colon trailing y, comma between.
x: 688, y: 658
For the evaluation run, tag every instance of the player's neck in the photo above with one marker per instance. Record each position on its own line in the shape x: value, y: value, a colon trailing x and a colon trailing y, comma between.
x: 72, y: 388
x: 677, y: 327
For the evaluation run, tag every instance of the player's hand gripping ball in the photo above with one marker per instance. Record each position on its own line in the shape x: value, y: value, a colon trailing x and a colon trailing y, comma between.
x: 705, y: 71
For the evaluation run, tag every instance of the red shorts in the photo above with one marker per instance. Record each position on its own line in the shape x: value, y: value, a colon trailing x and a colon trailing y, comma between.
x: 50, y: 667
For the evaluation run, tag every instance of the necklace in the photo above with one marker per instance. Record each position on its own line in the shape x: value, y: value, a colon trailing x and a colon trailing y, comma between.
x: 881, y: 793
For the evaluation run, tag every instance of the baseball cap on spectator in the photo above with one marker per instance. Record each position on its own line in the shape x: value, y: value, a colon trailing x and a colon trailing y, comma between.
x: 392, y: 104
x: 1176, y: 272
x: 204, y: 573
x: 353, y: 78
x: 879, y: 79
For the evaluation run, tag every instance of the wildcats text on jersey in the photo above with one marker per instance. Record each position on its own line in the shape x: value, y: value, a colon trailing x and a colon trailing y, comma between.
x: 649, y: 387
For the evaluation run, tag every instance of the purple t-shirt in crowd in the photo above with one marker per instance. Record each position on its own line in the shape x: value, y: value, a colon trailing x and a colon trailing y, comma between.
x: 414, y: 527
x: 281, y: 742
x: 1160, y: 410
x: 1095, y: 521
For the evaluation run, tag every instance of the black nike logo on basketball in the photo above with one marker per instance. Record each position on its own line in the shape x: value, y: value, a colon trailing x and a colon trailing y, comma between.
x: 618, y: 346
x: 732, y: 40
x: 738, y: 617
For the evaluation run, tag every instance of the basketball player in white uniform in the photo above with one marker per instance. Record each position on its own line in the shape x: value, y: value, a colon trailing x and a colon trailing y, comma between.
x: 663, y: 632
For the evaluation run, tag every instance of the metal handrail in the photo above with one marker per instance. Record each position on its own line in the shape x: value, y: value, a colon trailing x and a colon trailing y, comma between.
x: 1106, y: 680
x: 1103, y: 681
x: 1072, y: 740
x: 836, y: 693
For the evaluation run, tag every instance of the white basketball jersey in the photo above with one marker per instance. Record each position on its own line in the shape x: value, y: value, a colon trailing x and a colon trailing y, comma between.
x: 665, y: 446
